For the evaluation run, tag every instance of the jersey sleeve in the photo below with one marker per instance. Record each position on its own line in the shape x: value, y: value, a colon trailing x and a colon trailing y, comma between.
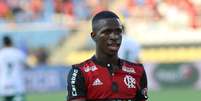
x: 75, y: 84
x: 142, y: 92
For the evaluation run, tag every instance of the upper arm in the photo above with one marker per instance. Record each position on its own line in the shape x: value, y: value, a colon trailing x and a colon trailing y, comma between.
x: 76, y: 85
x: 142, y: 93
x: 143, y: 82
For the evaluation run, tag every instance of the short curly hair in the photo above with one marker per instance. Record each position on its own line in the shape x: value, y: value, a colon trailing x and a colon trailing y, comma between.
x: 102, y: 15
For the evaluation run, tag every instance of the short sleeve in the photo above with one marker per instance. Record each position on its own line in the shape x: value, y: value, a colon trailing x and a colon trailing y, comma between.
x: 143, y: 90
x: 75, y: 84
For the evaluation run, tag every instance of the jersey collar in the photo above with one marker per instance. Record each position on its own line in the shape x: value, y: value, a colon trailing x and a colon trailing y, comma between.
x: 94, y: 59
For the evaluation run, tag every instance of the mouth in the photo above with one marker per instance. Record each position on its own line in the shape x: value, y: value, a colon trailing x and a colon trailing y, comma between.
x: 114, y: 46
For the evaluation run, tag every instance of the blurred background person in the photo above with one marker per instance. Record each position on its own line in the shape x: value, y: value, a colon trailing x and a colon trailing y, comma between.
x: 12, y: 65
x: 129, y: 49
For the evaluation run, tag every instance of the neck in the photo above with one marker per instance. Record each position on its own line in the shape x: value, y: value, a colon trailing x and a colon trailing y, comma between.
x: 111, y: 62
x: 107, y: 59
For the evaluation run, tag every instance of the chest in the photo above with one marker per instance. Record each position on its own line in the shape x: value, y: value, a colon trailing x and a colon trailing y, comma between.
x: 101, y: 84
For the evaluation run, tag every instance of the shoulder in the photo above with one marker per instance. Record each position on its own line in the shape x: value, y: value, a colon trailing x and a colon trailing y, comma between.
x: 132, y: 63
x: 134, y: 66
x: 19, y: 53
x: 14, y: 51
x: 77, y: 70
x: 1, y: 52
x: 86, y: 65
x: 82, y: 64
x: 4, y: 52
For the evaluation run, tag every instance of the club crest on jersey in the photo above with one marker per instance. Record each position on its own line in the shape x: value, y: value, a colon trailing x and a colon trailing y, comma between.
x: 127, y: 69
x: 130, y: 81
x: 90, y: 68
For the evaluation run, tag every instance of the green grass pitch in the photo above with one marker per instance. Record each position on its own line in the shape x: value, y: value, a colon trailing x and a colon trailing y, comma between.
x: 161, y: 95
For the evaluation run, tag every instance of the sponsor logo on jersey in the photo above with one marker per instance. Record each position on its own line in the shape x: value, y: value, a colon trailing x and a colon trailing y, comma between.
x: 97, y: 82
x: 90, y: 68
x: 129, y: 81
x: 73, y: 79
x: 127, y: 69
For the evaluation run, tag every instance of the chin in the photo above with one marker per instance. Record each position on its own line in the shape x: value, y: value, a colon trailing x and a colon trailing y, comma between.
x: 113, y: 53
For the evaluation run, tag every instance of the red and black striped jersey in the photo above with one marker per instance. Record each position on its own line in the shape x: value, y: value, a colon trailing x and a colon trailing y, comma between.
x: 92, y: 81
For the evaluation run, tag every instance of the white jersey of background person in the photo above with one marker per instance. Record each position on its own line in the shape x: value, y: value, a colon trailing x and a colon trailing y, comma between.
x: 11, y: 71
x: 129, y: 49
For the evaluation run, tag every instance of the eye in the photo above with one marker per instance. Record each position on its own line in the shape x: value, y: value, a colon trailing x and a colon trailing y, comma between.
x: 107, y: 31
x: 118, y: 31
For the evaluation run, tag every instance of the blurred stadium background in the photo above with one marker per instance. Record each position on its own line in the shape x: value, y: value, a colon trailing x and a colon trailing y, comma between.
x: 56, y: 34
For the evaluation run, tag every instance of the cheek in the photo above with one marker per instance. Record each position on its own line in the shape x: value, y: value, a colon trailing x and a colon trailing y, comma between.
x: 102, y: 38
x: 102, y: 42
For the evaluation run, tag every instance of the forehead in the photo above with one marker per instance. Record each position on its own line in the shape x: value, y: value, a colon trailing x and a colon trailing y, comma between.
x: 109, y: 23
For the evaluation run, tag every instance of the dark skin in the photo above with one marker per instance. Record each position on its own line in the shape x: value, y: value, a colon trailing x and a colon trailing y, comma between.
x: 107, y: 36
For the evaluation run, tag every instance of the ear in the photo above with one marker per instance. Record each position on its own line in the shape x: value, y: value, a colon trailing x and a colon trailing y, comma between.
x: 93, y: 36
